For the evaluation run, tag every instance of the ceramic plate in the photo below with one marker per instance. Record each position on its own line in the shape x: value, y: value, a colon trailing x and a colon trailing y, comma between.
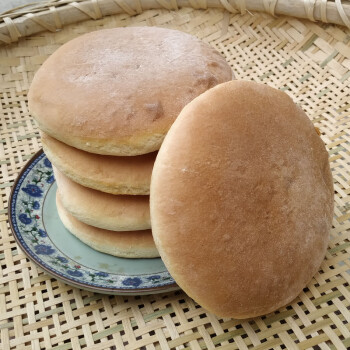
x: 42, y: 236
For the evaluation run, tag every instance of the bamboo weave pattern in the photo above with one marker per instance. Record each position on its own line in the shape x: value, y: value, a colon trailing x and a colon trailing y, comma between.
x: 311, y: 62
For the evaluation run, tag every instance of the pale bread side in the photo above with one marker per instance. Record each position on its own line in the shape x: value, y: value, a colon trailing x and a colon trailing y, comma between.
x: 127, y: 244
x: 110, y: 174
x: 103, y: 210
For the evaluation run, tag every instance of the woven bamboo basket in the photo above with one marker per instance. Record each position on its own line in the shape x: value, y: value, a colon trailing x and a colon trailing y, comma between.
x: 284, y: 48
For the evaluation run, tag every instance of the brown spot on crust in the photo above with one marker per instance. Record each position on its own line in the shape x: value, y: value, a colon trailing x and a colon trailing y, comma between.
x: 318, y: 131
x: 129, y: 116
x: 155, y: 109
x: 213, y: 64
x: 212, y: 81
x: 208, y: 81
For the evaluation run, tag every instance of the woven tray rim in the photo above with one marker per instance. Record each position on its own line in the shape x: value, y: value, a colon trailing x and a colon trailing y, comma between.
x: 53, y: 15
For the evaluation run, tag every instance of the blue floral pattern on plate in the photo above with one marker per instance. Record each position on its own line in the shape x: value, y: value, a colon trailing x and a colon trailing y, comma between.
x: 26, y: 209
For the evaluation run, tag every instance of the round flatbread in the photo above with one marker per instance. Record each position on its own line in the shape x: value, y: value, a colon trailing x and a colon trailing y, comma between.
x: 127, y: 244
x: 242, y: 200
x: 110, y: 174
x: 103, y: 210
x: 117, y: 91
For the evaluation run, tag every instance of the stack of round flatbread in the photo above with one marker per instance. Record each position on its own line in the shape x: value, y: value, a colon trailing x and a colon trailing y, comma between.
x: 241, y: 193
x: 104, y: 103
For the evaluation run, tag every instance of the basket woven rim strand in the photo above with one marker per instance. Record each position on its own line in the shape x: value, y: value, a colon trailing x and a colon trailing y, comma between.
x: 53, y: 15
x: 308, y: 60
